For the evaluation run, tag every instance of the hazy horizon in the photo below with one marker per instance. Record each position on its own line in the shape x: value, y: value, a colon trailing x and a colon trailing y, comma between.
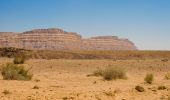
x: 145, y: 22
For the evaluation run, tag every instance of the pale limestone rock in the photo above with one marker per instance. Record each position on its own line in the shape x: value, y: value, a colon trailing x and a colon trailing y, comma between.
x: 57, y: 39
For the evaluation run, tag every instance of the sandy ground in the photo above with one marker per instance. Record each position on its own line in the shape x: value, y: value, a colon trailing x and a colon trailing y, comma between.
x: 62, y: 79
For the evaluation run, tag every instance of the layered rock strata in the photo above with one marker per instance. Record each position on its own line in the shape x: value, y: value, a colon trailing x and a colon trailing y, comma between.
x: 57, y: 39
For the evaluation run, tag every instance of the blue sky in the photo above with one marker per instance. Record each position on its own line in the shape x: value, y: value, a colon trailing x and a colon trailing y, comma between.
x: 145, y: 22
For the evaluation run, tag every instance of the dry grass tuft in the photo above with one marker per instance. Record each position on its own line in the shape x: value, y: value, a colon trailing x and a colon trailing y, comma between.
x: 111, y: 73
x: 14, y: 72
x: 149, y: 78
x: 19, y: 60
x: 167, y: 76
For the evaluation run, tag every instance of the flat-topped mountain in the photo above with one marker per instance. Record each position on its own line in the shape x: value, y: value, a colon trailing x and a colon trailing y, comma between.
x: 57, y: 39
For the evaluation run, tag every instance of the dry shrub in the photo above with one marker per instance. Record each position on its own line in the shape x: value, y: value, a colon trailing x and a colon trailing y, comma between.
x: 14, y: 72
x: 111, y: 73
x: 149, y: 78
x: 167, y: 76
x: 19, y: 59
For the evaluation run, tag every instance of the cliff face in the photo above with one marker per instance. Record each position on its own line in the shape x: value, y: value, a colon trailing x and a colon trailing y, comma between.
x: 57, y: 39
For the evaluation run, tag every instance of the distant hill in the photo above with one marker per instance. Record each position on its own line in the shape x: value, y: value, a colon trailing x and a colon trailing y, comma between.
x: 57, y: 39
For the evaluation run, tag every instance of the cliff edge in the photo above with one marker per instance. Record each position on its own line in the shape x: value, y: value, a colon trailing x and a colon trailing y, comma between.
x: 58, y: 39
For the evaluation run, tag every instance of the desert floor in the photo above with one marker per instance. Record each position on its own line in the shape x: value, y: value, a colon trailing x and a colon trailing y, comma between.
x: 63, y: 79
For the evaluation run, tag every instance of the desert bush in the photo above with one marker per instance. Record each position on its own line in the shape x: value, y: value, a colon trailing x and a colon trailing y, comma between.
x: 19, y: 59
x: 14, y: 72
x: 167, y: 76
x: 139, y: 88
x: 13, y: 52
x: 149, y: 78
x: 111, y: 73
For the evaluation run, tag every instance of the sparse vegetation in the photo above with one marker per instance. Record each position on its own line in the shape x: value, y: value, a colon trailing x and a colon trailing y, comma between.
x: 111, y: 73
x: 53, y: 54
x: 13, y: 52
x: 19, y: 60
x: 139, y: 88
x: 61, y: 71
x: 149, y: 78
x: 167, y: 76
x: 14, y: 72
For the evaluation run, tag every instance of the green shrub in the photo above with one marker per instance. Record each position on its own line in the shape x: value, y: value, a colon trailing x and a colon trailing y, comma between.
x: 149, y: 78
x: 19, y: 60
x: 111, y: 73
x: 14, y: 72
x: 167, y: 76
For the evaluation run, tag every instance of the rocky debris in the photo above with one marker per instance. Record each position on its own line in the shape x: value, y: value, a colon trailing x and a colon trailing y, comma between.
x: 162, y: 87
x: 57, y: 39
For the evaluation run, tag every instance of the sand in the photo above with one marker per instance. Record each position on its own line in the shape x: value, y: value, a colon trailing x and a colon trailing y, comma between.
x: 64, y: 79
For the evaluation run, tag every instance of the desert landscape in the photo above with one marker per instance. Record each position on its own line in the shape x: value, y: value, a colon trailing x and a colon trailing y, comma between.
x: 84, y: 50
x: 69, y: 78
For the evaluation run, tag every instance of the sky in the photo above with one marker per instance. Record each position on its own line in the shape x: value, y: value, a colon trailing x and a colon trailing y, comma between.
x: 145, y: 22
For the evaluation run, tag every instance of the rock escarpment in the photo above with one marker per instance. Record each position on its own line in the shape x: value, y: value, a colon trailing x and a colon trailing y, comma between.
x: 57, y: 39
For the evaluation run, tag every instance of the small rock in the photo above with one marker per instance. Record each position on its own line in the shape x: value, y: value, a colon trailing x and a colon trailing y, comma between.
x: 35, y: 87
x: 139, y: 88
x: 162, y: 87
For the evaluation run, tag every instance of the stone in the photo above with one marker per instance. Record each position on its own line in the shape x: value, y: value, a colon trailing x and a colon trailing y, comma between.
x: 139, y: 88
